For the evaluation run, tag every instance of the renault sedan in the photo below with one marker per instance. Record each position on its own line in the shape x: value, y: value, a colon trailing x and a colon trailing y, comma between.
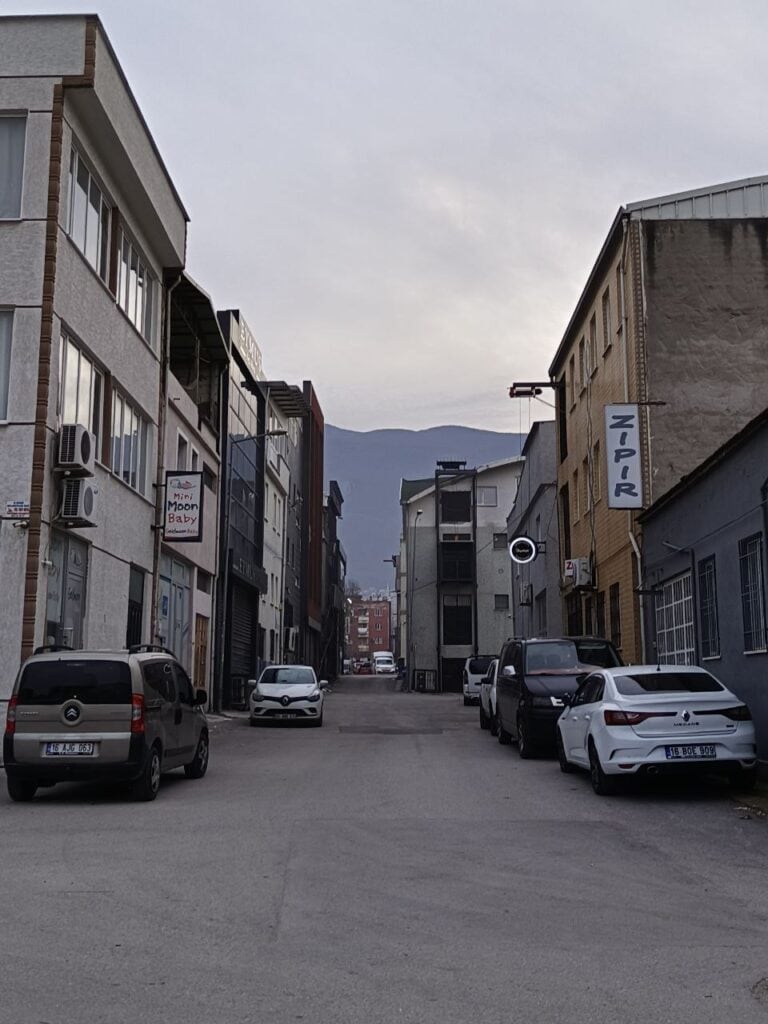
x: 653, y: 719
x: 287, y: 693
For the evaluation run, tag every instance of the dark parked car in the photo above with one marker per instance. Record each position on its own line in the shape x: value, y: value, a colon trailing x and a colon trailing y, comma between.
x: 533, y: 677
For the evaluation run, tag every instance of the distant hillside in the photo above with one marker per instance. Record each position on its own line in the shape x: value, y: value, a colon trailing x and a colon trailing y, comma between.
x: 368, y: 467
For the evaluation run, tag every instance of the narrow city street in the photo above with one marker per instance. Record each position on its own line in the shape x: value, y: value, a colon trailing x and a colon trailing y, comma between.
x: 397, y: 865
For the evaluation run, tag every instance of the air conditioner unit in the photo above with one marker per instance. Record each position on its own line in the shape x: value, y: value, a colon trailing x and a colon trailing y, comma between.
x: 291, y: 635
x: 78, y: 502
x: 582, y: 576
x: 526, y: 593
x: 77, y: 450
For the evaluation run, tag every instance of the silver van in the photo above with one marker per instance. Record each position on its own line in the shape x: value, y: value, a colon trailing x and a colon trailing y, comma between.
x: 126, y: 716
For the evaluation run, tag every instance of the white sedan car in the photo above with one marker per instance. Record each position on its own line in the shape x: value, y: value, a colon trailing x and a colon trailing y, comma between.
x: 650, y: 719
x: 488, y: 698
x: 285, y: 692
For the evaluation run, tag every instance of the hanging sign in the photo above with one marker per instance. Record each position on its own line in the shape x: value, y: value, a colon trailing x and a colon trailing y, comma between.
x: 622, y: 449
x: 523, y: 549
x: 183, y: 520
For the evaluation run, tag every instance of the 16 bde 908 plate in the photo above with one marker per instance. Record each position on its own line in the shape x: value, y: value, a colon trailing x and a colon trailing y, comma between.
x: 691, y: 752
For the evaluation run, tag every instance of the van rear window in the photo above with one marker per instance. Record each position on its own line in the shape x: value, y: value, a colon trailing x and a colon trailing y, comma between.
x: 479, y: 666
x: 90, y: 682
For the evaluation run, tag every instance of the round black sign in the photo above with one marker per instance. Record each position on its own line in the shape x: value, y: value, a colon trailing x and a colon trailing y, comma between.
x: 523, y: 549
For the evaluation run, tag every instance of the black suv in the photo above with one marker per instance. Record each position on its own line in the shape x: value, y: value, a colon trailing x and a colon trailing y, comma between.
x: 533, y: 677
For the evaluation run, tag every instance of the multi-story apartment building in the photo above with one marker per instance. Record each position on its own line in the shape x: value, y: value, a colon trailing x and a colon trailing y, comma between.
x: 370, y: 627
x: 198, y: 358
x: 673, y: 321
x: 334, y: 585
x: 536, y: 603
x: 455, y: 596
x: 92, y: 232
x: 311, y: 621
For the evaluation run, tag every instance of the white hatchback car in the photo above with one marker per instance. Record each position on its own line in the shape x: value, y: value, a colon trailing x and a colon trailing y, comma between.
x: 488, y: 698
x: 286, y: 692
x: 655, y: 718
x: 472, y: 675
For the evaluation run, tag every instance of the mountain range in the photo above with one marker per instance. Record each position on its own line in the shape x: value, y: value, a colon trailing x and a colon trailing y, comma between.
x: 368, y: 467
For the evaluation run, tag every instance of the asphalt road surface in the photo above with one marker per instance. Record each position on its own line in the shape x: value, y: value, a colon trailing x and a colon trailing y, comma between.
x: 397, y: 865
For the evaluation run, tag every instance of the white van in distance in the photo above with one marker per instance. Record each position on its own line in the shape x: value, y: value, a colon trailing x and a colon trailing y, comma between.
x: 384, y: 663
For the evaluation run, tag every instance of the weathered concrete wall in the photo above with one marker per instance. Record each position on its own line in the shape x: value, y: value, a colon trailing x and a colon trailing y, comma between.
x: 706, y: 288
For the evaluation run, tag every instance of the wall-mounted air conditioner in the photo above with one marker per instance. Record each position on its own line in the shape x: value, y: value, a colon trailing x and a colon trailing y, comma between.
x: 582, y: 576
x: 78, y: 502
x: 291, y: 635
x: 526, y: 593
x: 76, y: 453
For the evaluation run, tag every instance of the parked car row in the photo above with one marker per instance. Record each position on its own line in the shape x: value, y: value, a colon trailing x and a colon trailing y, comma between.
x: 573, y: 698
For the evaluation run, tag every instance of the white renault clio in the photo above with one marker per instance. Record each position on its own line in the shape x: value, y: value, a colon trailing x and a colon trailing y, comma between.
x: 656, y: 718
x: 286, y: 692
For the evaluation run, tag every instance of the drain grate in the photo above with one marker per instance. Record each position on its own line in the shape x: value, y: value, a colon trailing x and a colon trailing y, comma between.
x: 380, y: 730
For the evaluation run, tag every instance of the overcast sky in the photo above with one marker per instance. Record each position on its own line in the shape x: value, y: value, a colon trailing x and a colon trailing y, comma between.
x: 405, y: 197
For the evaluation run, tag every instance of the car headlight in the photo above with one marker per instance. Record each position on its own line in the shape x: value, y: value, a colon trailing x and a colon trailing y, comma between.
x: 256, y: 697
x: 314, y: 697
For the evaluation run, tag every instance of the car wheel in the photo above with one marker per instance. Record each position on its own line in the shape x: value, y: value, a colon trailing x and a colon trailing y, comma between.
x: 603, y: 785
x: 565, y: 764
x: 743, y: 780
x: 198, y: 766
x: 524, y: 746
x: 148, y: 783
x: 494, y: 725
x: 504, y: 737
x: 21, y: 790
x: 483, y: 717
x: 467, y: 702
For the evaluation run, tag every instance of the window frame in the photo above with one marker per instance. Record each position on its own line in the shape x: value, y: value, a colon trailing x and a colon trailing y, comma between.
x: 95, y: 415
x: 607, y: 319
x: 125, y: 298
x: 144, y: 441
x: 101, y: 266
x: 13, y: 115
x: 484, y: 488
x: 614, y: 614
x: 709, y: 623
x: 6, y: 356
x: 753, y: 590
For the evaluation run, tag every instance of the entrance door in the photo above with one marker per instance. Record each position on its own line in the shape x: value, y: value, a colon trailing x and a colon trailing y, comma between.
x: 201, y: 652
x: 67, y: 579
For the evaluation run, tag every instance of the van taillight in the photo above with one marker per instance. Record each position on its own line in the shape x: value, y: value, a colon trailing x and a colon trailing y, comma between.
x: 137, y: 713
x: 10, y: 721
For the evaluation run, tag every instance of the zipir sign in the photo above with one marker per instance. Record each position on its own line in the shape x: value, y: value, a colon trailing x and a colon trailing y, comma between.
x: 622, y: 443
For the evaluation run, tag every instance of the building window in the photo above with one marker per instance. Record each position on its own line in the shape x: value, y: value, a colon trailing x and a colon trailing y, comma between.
x: 614, y: 607
x: 12, y: 135
x: 377, y: 612
x: 82, y: 390
x: 6, y: 333
x: 675, y: 637
x: 130, y: 448
x: 487, y: 497
x: 600, y: 611
x: 135, y: 288
x: 710, y: 635
x: 752, y: 592
x: 573, y: 615
x: 585, y: 501
x: 572, y: 380
x: 576, y: 495
x: 204, y: 580
x: 619, y: 323
x: 135, y: 607
x: 501, y: 602
x: 194, y: 464
x: 607, y: 323
x: 592, y: 348
x: 209, y: 478
x: 182, y: 447
x: 455, y: 506
x: 88, y: 216
x: 540, y: 602
x: 565, y: 520
x: 562, y: 419
x: 500, y: 541
x: 457, y: 619
x: 589, y: 625
x: 583, y: 364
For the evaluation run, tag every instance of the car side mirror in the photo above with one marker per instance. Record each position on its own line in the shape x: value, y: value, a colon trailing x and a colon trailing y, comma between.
x: 509, y: 672
x: 201, y: 697
x: 567, y: 699
x: 323, y: 684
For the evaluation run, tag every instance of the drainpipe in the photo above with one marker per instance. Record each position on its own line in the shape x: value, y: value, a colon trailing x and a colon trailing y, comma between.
x: 162, y: 416
x: 641, y: 602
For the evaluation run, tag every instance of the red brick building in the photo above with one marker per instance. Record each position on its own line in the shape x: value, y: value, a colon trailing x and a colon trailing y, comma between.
x: 369, y: 629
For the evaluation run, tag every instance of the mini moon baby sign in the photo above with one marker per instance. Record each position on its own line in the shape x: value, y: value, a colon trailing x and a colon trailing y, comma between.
x: 183, y: 506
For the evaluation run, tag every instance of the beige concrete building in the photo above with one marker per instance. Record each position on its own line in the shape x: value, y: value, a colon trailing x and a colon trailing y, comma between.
x: 674, y: 317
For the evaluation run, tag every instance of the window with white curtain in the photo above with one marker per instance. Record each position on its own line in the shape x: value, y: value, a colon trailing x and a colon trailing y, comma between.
x: 13, y: 130
x: 88, y: 216
x: 130, y: 444
x: 6, y: 332
x: 135, y: 288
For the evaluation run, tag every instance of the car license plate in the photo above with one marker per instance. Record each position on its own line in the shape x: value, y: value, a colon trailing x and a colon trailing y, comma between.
x: 695, y: 751
x: 81, y: 749
x: 285, y: 714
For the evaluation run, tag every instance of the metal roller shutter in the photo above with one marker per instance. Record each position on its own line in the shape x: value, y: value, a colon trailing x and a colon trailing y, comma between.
x: 242, y: 633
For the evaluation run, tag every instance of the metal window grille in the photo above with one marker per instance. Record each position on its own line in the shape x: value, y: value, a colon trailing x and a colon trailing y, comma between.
x: 675, y: 637
x: 752, y: 592
x: 710, y: 633
x: 614, y: 605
